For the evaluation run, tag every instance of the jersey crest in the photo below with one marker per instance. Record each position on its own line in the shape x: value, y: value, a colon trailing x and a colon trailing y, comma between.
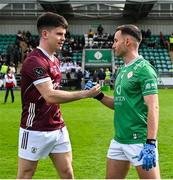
x: 39, y: 72
x: 130, y: 74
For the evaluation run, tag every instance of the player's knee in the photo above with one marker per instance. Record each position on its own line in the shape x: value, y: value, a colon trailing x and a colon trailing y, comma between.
x: 67, y: 173
x: 25, y: 174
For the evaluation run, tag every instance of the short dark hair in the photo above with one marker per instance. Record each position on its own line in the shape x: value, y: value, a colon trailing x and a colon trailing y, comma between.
x: 8, y: 69
x: 50, y: 20
x: 131, y: 30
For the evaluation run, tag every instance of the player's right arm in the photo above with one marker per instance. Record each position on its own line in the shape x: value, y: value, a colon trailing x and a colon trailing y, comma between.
x: 59, y: 96
x: 36, y: 71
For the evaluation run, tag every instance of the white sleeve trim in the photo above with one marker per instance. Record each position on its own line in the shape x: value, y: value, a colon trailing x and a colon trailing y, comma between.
x: 39, y: 81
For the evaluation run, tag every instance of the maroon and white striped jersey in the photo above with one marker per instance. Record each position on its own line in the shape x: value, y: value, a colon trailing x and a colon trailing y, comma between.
x: 37, y: 114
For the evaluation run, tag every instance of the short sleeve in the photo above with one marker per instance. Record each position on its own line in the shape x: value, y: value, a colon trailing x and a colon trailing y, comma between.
x: 36, y: 69
x: 148, y: 80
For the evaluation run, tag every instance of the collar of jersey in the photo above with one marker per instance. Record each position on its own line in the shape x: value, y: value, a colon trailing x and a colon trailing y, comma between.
x: 133, y: 61
x: 46, y: 54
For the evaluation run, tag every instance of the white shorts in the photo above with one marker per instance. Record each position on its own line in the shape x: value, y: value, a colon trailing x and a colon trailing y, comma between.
x: 35, y: 145
x: 126, y: 152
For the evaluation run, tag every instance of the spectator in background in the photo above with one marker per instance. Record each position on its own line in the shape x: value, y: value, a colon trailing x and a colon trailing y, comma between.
x: 1, y: 82
x: 19, y: 36
x: 1, y: 61
x: 28, y: 37
x: 95, y: 76
x: 162, y: 40
x: 16, y: 56
x: 90, y: 34
x: 4, y: 69
x: 24, y: 35
x: 101, y: 77
x: 27, y: 51
x: 10, y: 83
x: 80, y: 46
x: 148, y: 33
x: 79, y: 76
x: 112, y: 80
x: 34, y: 42
x: 9, y: 54
x: 68, y: 35
x: 87, y: 74
x: 110, y: 38
x: 143, y: 33
x: 95, y: 37
x: 24, y: 47
x: 100, y: 30
x: 68, y: 76
x: 12, y: 67
x: 144, y: 41
x: 171, y: 42
x: 107, y: 76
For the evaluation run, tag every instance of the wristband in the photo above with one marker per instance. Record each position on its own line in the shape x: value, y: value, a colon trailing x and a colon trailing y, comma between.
x: 99, y: 97
x: 151, y: 141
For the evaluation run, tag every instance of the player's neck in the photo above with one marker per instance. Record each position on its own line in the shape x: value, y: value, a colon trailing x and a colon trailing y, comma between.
x: 46, y: 48
x: 129, y: 57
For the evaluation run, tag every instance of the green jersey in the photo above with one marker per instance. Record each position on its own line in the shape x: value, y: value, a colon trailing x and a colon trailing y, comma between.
x: 133, y: 82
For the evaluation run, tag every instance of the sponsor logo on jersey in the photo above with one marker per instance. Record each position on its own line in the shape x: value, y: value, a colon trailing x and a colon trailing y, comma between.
x: 135, y: 136
x: 120, y: 98
x: 153, y: 85
x: 150, y: 86
x: 54, y: 69
x: 118, y: 89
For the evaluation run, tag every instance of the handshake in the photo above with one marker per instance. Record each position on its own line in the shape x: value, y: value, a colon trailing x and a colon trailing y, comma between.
x: 90, y: 84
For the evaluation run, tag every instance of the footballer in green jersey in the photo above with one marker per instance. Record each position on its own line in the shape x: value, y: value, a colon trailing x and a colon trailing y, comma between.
x: 133, y: 81
x: 136, y: 110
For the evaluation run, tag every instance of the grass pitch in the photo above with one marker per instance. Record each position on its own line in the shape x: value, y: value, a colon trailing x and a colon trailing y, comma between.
x: 90, y: 125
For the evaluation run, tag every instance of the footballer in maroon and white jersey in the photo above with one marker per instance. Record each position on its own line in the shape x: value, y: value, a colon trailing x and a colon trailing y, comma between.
x: 37, y: 114
x: 43, y: 132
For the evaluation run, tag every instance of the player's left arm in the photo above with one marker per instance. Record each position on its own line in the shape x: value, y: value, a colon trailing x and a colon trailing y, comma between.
x: 152, y: 103
x: 148, y: 79
x: 148, y: 153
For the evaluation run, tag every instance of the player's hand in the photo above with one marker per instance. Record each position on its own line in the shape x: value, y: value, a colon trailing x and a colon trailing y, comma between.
x: 89, y: 85
x: 148, y: 154
x: 95, y: 90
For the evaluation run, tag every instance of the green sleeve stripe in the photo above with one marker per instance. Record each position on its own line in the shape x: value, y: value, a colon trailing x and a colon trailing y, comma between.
x: 150, y: 92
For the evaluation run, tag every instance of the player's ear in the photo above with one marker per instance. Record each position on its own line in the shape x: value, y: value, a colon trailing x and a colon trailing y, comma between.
x: 44, y: 34
x: 127, y: 41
